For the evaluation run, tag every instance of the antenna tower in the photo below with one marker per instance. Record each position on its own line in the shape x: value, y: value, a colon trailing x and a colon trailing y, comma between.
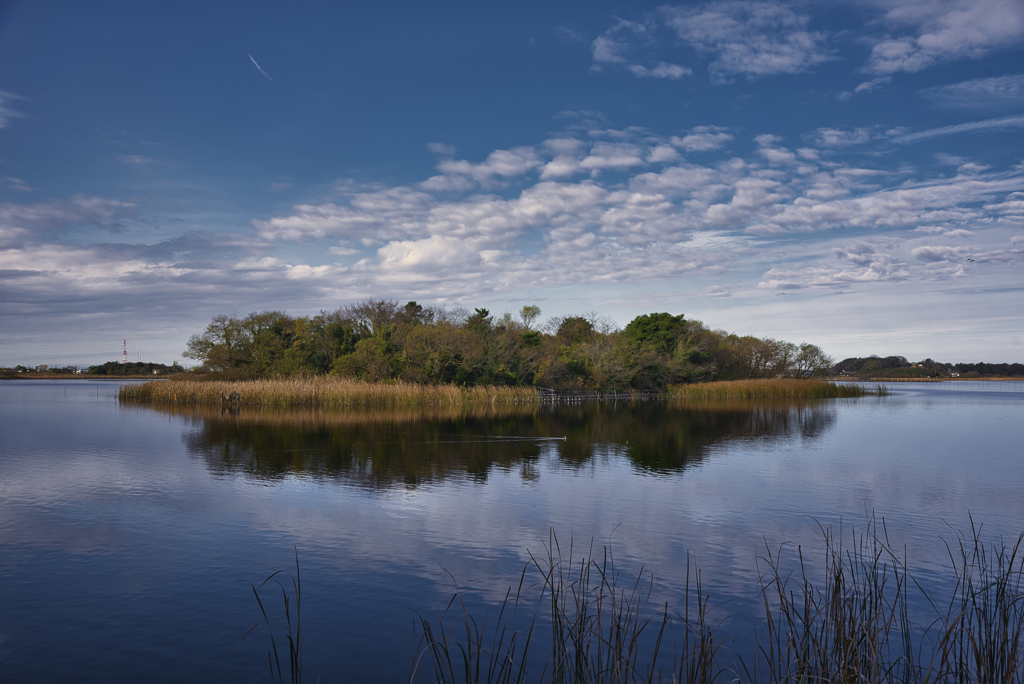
x: 124, y: 354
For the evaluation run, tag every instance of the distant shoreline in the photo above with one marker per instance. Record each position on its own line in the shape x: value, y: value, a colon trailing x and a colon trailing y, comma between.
x: 83, y: 376
x: 1001, y: 378
x: 202, y: 378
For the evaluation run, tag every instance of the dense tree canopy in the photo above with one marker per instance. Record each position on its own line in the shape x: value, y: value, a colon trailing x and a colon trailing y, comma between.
x: 382, y: 340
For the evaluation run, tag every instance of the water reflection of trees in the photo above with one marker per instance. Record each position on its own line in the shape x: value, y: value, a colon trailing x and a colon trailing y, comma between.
x: 387, y: 447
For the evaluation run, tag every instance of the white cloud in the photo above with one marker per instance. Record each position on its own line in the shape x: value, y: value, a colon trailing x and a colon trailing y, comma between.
x: 80, y: 210
x: 619, y: 47
x: 763, y: 221
x: 610, y: 48
x: 1001, y: 256
x: 868, y: 86
x: 749, y: 38
x: 617, y: 156
x: 503, y: 163
x: 660, y: 70
x: 15, y: 184
x: 645, y: 224
x: 703, y: 139
x: 6, y: 113
x: 944, y: 231
x: 441, y: 150
x: 923, y: 33
x: 834, y: 137
x: 1005, y: 123
x: 981, y: 93
x: 663, y: 154
x: 931, y: 253
x: 777, y: 155
x: 881, y: 268
x: 865, y: 87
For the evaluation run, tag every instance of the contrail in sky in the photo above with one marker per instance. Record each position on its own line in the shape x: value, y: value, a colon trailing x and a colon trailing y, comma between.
x: 261, y: 69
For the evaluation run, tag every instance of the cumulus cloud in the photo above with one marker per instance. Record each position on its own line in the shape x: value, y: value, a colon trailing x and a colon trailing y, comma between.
x: 617, y: 156
x: 500, y: 163
x: 703, y: 139
x: 922, y: 34
x: 932, y: 253
x: 748, y: 38
x: 645, y: 224
x: 617, y: 206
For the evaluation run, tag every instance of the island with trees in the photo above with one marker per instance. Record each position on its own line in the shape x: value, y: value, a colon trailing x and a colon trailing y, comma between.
x: 381, y: 340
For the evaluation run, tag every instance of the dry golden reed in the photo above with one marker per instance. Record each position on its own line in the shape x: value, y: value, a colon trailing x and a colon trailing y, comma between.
x: 779, y: 388
x: 324, y: 392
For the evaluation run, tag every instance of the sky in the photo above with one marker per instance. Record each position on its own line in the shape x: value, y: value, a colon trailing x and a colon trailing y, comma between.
x: 846, y: 173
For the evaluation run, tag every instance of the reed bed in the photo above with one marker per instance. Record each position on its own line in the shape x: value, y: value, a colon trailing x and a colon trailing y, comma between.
x: 851, y: 625
x: 779, y: 388
x: 321, y: 391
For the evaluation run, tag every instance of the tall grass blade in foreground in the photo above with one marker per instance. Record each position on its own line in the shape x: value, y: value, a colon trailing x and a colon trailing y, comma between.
x: 497, y: 657
x: 853, y: 624
x: 986, y: 640
x: 846, y: 627
x: 843, y: 618
x: 294, y: 639
x: 601, y: 631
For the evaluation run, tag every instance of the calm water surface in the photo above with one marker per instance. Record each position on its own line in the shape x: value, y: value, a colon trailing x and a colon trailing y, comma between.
x: 123, y: 530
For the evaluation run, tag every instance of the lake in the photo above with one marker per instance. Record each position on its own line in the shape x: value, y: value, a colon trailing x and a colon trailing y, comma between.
x: 124, y: 529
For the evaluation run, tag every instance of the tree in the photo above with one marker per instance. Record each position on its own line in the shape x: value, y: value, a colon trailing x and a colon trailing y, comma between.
x: 529, y: 314
x: 480, y: 322
x: 811, y: 361
x: 574, y: 330
x: 659, y: 331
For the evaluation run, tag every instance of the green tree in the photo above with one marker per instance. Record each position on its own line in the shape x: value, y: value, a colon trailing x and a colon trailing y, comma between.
x: 574, y: 330
x: 659, y: 331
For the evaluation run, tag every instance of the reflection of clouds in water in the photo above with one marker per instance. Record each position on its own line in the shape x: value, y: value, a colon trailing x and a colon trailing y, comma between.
x: 474, y: 496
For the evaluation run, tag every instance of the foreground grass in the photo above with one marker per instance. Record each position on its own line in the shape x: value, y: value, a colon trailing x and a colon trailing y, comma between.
x: 324, y: 392
x: 770, y: 389
x: 851, y: 625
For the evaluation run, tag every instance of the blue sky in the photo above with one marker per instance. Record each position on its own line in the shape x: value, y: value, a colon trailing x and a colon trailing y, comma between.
x: 844, y: 173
